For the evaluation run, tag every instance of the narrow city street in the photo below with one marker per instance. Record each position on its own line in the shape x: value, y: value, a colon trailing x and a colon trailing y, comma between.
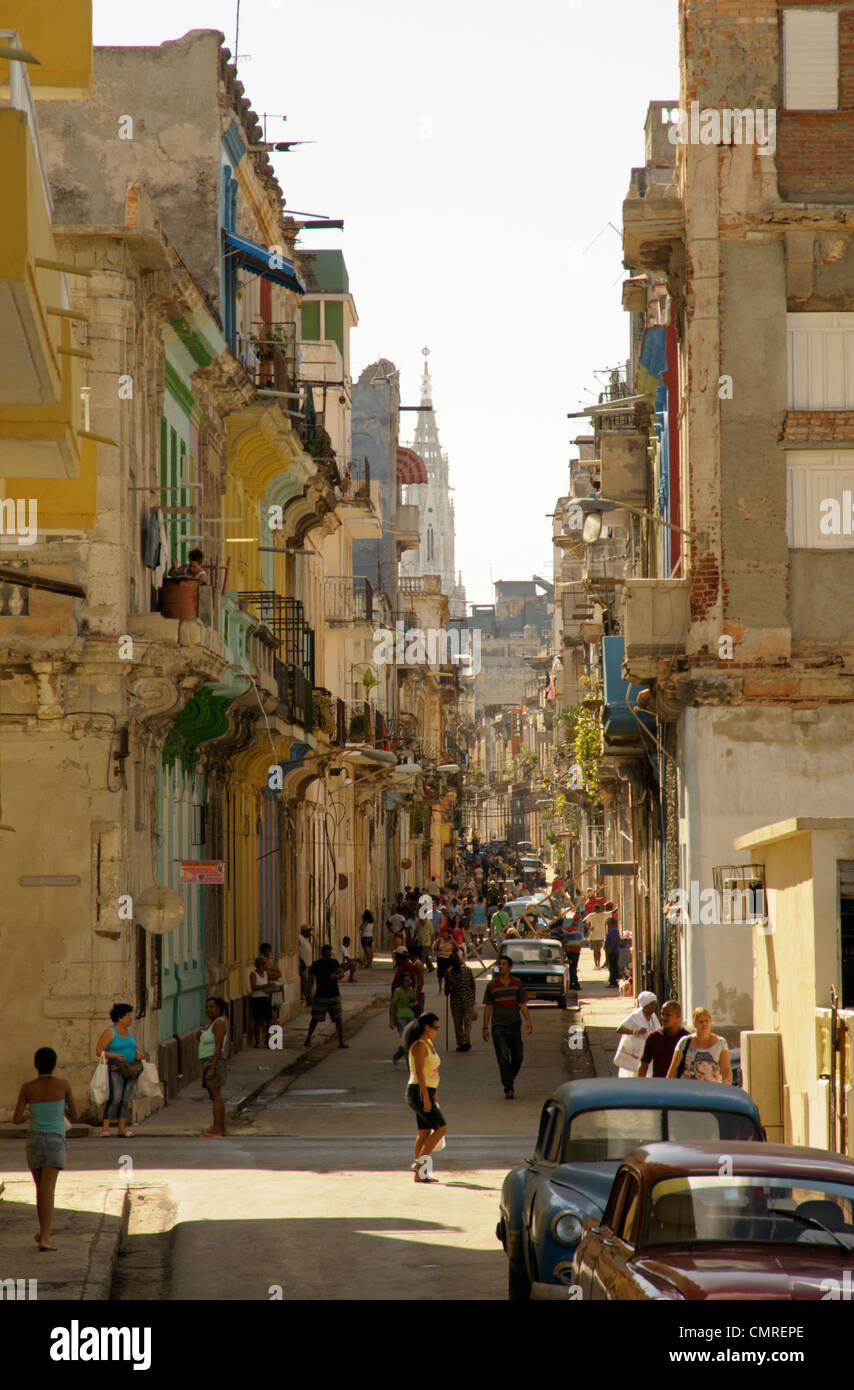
x: 312, y: 1194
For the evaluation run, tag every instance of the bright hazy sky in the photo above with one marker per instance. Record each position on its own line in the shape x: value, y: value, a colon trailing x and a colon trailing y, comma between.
x: 475, y: 149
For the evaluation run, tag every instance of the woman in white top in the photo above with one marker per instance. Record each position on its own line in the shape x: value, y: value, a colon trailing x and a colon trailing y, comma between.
x: 633, y: 1033
x: 702, y: 1056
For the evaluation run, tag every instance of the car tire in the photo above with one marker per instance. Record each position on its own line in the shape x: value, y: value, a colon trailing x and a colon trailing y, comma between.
x: 518, y: 1285
x: 561, y: 1003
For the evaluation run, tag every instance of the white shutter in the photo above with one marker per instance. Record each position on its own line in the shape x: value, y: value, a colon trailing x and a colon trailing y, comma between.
x: 812, y: 475
x: 820, y: 350
x: 810, y: 60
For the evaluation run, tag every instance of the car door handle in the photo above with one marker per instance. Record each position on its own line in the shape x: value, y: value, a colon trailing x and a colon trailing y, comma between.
x: 606, y: 1242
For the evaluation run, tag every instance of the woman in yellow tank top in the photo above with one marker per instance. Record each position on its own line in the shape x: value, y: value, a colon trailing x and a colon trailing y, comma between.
x: 422, y: 1093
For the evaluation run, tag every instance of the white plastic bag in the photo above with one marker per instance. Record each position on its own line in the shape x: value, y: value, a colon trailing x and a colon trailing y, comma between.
x: 99, y: 1086
x: 148, y: 1082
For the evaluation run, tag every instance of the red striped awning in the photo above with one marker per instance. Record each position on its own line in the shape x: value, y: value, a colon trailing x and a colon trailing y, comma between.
x: 410, y: 466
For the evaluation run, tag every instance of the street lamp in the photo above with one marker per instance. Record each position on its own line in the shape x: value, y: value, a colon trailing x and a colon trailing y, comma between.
x: 590, y: 511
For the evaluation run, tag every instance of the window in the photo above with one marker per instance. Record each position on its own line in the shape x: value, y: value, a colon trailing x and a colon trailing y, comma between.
x: 629, y: 1219
x: 810, y: 60
x: 547, y: 1126
x: 820, y: 361
x: 820, y: 499
x: 552, y: 1154
x: 763, y: 1209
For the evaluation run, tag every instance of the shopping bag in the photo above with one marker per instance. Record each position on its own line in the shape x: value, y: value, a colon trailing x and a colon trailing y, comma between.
x: 99, y: 1086
x: 148, y: 1082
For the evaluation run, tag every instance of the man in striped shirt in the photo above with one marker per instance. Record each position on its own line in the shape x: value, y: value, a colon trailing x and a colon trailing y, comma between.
x: 504, y: 997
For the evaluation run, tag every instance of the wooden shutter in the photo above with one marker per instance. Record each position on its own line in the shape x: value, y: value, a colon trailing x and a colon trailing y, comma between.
x: 810, y: 60
x: 811, y: 476
x: 820, y: 353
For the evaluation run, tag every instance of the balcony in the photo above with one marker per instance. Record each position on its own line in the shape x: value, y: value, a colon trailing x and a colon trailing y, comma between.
x: 296, y: 695
x: 657, y: 616
x: 272, y: 362
x: 349, y: 600
x: 360, y: 506
x: 407, y: 532
x: 653, y: 224
x: 624, y: 464
x: 330, y: 717
x: 360, y: 718
x: 40, y: 409
x: 606, y: 560
x: 286, y: 621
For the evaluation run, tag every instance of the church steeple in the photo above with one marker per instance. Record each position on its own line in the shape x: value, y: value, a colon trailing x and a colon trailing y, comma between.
x: 435, y: 555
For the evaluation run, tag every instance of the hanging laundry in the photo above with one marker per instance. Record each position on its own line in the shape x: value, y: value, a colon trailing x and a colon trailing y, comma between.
x: 151, y: 545
x: 165, y: 558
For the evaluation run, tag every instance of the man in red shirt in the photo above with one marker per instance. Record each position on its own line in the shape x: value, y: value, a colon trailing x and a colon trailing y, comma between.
x: 661, y: 1043
x: 505, y: 997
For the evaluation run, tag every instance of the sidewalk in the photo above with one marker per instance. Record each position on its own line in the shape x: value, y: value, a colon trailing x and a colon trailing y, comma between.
x: 602, y: 1011
x: 91, y: 1217
x: 251, y: 1069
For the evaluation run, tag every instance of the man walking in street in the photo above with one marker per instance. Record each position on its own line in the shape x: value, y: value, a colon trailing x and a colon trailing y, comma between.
x: 595, y: 922
x: 424, y: 939
x: 324, y: 975
x: 500, y: 922
x: 660, y: 1044
x: 573, y: 940
x: 459, y: 987
x: 505, y: 995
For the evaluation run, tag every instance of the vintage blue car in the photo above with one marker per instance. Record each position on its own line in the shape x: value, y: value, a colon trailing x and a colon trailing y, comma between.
x: 586, y: 1128
x: 539, y: 965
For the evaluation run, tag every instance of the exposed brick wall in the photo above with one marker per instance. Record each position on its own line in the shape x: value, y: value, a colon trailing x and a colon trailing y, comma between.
x: 705, y: 584
x: 815, y: 149
x: 807, y: 426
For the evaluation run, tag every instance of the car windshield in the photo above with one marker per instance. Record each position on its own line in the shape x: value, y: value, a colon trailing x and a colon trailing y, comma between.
x: 597, y: 1136
x: 547, y: 910
x: 534, y: 953
x: 756, y: 1209
x: 516, y: 908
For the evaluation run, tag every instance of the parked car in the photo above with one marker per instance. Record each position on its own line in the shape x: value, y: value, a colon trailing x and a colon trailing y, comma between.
x: 586, y: 1129
x: 539, y: 965
x: 721, y: 1221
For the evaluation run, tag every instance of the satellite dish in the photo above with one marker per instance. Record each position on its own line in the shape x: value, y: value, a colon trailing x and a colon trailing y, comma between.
x: 159, y: 910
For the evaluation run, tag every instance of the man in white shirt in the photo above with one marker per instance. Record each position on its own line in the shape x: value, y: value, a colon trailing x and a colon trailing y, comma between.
x: 633, y: 1032
x: 596, y: 922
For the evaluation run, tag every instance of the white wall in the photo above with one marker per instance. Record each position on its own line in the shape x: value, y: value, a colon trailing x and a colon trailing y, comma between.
x: 741, y: 768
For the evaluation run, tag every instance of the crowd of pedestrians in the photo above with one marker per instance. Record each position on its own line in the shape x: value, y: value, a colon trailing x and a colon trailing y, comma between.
x: 439, y: 930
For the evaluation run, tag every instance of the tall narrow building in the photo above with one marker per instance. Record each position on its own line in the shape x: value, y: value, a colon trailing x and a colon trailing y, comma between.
x: 435, y: 554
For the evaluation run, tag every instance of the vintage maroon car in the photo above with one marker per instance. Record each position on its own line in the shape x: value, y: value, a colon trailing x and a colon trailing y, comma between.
x: 722, y: 1221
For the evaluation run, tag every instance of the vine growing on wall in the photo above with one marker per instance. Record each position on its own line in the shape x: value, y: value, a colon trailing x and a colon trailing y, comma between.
x: 582, y: 729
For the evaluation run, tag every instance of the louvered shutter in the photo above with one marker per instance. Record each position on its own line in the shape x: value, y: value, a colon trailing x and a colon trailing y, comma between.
x: 811, y: 477
x: 810, y: 60
x: 820, y: 361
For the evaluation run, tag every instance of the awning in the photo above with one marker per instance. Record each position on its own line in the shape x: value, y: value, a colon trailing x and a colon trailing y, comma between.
x: 263, y: 261
x: 410, y: 466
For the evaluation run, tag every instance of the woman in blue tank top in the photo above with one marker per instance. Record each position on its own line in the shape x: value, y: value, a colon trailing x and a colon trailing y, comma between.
x: 118, y: 1045
x: 48, y: 1098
